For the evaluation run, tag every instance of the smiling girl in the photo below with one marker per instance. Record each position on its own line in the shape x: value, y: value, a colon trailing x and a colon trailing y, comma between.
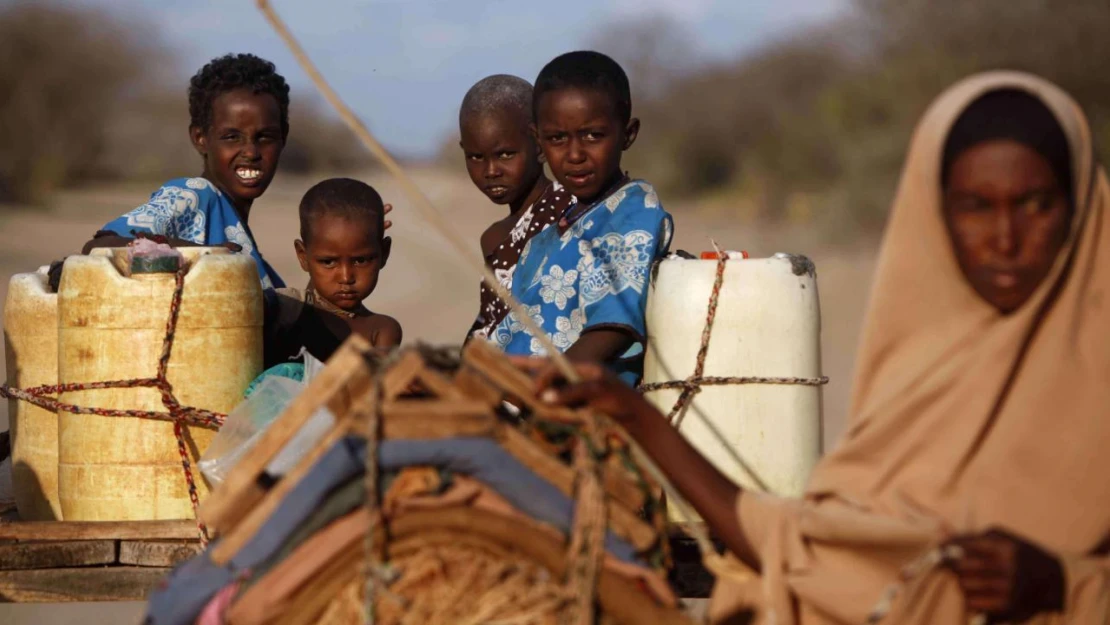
x: 239, y: 120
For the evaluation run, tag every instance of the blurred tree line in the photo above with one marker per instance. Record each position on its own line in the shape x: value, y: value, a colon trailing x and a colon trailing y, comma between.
x: 815, y: 127
x: 85, y: 95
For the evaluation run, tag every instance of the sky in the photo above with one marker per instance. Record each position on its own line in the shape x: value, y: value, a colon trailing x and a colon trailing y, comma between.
x: 404, y: 65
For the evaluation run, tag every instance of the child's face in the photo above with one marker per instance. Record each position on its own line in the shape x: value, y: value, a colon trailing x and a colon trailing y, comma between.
x: 501, y: 156
x: 242, y: 146
x: 343, y: 258
x: 582, y: 137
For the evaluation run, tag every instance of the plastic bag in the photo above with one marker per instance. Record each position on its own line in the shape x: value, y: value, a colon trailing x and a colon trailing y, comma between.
x: 245, y: 425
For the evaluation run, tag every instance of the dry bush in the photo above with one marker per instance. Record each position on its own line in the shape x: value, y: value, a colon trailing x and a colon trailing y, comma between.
x: 82, y: 97
x: 64, y: 74
x: 827, y: 113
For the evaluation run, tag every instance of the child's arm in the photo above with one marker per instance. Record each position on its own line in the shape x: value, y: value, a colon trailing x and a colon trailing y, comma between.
x: 601, y: 345
x: 107, y: 238
x: 713, y: 495
x: 172, y: 212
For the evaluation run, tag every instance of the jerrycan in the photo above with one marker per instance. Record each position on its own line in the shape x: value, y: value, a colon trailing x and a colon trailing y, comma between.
x: 111, y: 326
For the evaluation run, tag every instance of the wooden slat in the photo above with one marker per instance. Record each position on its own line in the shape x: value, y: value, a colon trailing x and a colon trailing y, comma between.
x: 474, y: 385
x: 157, y: 552
x: 16, y: 556
x: 114, y: 583
x: 238, y: 494
x: 430, y: 419
x: 236, y: 536
x: 622, y: 520
x: 98, y: 530
x: 493, y: 364
x: 502, y: 374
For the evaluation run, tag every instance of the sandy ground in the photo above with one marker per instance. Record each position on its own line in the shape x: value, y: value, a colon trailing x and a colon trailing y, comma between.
x: 426, y: 285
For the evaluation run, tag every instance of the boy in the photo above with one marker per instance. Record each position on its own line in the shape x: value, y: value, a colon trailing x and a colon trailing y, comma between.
x: 343, y: 248
x: 238, y: 123
x: 504, y: 163
x: 584, y: 280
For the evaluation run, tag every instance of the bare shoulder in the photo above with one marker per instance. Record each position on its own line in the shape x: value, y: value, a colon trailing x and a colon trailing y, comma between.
x: 496, y: 233
x: 380, y: 330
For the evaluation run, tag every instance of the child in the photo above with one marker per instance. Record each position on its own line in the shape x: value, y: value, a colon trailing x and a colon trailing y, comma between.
x: 238, y: 123
x: 504, y: 163
x: 343, y: 247
x: 584, y: 280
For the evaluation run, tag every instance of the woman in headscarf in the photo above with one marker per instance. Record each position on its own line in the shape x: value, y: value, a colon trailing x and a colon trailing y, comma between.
x: 972, y: 479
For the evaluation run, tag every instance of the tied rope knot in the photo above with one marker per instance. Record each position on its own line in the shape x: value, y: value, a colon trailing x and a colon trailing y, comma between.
x: 46, y: 397
x: 692, y: 385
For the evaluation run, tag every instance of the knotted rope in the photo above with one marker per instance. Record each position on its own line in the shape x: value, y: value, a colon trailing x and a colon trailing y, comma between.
x: 692, y: 385
x: 179, y: 415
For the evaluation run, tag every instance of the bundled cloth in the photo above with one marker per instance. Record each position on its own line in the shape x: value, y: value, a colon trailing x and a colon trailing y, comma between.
x: 428, y: 502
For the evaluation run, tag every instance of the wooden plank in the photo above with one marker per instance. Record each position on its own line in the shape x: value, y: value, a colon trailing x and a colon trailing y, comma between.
x: 430, y: 419
x: 157, y: 552
x: 438, y: 384
x: 233, y: 538
x: 251, y: 511
x: 227, y: 505
x: 16, y: 556
x: 474, y: 385
x: 113, y: 583
x: 623, y: 520
x: 502, y: 374
x: 98, y: 530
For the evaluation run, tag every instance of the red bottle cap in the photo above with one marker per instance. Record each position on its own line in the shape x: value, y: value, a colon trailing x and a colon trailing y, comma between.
x: 714, y: 256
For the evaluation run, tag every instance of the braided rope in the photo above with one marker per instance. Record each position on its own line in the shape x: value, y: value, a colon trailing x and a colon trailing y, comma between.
x: 587, y: 541
x: 179, y: 415
x: 692, y: 385
x: 374, y: 552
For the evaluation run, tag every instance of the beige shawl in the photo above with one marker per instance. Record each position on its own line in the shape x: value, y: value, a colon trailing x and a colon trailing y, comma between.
x: 962, y: 420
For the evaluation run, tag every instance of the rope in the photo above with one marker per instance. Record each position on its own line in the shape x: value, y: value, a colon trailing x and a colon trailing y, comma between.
x: 587, y: 543
x: 374, y: 552
x: 179, y: 415
x: 692, y: 385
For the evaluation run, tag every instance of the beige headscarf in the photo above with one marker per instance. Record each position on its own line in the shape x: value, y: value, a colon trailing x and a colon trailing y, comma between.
x: 963, y: 419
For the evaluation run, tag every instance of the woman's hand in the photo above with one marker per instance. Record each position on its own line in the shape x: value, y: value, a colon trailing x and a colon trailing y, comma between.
x: 387, y: 209
x: 1007, y: 578
x: 597, y: 388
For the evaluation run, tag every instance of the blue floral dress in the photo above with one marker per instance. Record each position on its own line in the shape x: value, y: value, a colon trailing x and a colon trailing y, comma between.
x: 591, y: 275
x: 193, y: 209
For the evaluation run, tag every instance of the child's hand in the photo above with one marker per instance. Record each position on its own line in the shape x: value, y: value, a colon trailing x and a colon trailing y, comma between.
x: 1005, y: 577
x: 598, y: 388
x: 387, y: 209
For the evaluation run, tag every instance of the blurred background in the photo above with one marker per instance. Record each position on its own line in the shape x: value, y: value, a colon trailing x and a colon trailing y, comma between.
x: 770, y: 125
x: 773, y: 126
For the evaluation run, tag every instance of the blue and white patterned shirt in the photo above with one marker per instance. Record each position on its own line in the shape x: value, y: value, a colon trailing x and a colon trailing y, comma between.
x: 193, y: 209
x: 592, y: 276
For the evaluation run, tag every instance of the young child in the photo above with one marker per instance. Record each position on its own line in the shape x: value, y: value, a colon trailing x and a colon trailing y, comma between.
x: 343, y: 248
x: 238, y: 123
x: 584, y: 280
x: 503, y: 161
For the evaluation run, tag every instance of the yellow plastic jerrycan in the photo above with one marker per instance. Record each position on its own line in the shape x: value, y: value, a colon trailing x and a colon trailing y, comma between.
x: 31, y: 356
x: 111, y: 326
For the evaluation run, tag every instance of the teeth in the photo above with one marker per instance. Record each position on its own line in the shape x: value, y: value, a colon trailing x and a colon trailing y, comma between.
x: 248, y: 174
